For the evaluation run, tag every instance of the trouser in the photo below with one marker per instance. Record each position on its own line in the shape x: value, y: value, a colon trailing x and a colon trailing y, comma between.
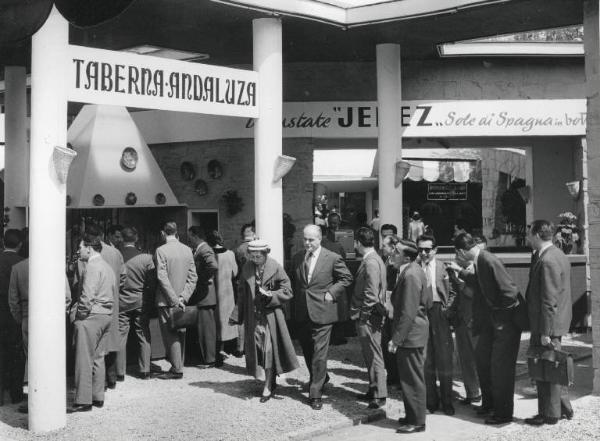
x: 411, y: 370
x: 496, y: 357
x: 110, y: 364
x: 90, y: 335
x: 389, y: 360
x: 438, y: 362
x: 240, y: 339
x: 553, y: 399
x: 207, y: 334
x: 370, y: 343
x: 465, y: 346
x: 12, y: 360
x: 172, y: 340
x: 314, y: 340
x: 141, y: 327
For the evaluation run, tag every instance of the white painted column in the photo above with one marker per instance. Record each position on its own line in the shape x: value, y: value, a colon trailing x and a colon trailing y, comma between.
x: 389, y: 95
x: 268, y: 204
x: 47, y: 382
x: 529, y: 213
x: 16, y: 152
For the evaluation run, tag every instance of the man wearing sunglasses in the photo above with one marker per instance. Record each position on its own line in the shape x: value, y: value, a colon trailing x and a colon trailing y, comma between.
x: 438, y: 363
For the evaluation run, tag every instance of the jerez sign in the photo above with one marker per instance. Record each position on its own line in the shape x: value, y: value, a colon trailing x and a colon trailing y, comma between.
x: 100, y: 76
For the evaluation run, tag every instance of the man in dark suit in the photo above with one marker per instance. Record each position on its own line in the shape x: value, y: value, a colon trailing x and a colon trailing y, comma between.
x: 410, y: 331
x: 320, y: 277
x: 386, y: 251
x: 438, y: 363
x: 369, y: 291
x: 134, y: 299
x: 205, y: 297
x: 12, y: 360
x: 176, y: 277
x: 550, y: 312
x: 494, y: 305
x: 93, y: 316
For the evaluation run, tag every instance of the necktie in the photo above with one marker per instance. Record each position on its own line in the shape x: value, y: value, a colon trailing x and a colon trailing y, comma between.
x: 307, y: 260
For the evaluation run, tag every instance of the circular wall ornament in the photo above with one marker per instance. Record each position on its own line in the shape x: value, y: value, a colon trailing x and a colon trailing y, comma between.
x: 129, y: 159
x: 98, y: 200
x: 131, y: 198
x: 160, y: 199
x: 187, y: 171
x: 215, y: 169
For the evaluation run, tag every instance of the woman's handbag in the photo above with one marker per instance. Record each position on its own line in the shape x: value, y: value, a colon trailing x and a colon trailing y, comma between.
x: 550, y: 365
x: 180, y: 318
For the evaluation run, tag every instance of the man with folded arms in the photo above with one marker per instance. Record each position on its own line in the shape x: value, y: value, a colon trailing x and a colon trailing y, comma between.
x: 91, y: 327
x: 176, y: 276
x: 550, y: 311
x: 369, y: 291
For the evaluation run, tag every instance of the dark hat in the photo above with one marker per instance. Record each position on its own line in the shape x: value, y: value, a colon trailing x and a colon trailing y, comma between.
x: 404, y: 244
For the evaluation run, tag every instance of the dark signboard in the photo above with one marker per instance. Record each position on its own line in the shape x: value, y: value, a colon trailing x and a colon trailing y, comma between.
x: 454, y: 191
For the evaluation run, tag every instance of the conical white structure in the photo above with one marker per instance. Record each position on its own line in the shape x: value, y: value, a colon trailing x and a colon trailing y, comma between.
x: 99, y: 135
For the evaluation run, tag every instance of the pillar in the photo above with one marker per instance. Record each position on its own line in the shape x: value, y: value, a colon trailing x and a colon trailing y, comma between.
x: 268, y: 203
x: 47, y: 216
x: 591, y: 23
x: 16, y: 152
x: 389, y: 142
x: 369, y: 204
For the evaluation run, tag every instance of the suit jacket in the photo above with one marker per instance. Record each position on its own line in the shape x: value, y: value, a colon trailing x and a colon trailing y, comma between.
x: 442, y: 284
x: 461, y: 310
x: 370, y: 285
x: 206, y: 268
x: 98, y: 290
x: 18, y: 291
x: 549, y: 293
x: 330, y: 275
x: 140, y: 282
x: 114, y: 258
x: 411, y: 300
x: 7, y: 260
x: 175, y: 273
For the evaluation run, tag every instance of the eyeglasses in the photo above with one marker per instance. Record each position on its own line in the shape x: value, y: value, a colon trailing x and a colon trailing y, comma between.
x: 425, y: 250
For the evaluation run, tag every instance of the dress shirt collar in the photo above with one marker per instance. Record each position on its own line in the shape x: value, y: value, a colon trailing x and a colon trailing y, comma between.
x: 315, y: 253
x: 368, y: 252
x: 171, y: 239
x: 94, y: 257
x: 544, y: 248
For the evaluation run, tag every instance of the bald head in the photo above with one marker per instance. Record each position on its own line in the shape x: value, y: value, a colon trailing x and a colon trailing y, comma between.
x: 312, y: 237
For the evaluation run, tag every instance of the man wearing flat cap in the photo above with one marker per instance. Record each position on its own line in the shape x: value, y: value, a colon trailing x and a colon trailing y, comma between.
x: 320, y: 278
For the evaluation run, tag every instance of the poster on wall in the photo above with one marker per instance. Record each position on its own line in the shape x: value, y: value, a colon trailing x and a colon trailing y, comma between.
x: 447, y: 191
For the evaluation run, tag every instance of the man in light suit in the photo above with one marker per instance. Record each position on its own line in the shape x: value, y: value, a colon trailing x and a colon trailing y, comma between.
x: 320, y: 277
x: 91, y: 326
x: 494, y: 305
x: 176, y: 277
x: 550, y: 312
x: 369, y: 290
x: 410, y: 331
x: 438, y: 363
x: 205, y: 297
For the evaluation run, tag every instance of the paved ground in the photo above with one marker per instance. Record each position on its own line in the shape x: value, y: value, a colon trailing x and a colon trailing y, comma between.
x: 222, y: 404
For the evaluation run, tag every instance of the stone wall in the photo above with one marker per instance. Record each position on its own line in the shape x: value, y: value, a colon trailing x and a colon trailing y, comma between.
x: 237, y: 158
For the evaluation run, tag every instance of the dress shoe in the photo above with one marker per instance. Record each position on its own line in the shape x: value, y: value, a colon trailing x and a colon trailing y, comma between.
x: 238, y: 354
x: 23, y: 408
x: 410, y: 428
x: 449, y: 410
x: 539, y: 420
x: 145, y: 375
x: 483, y: 411
x: 265, y: 398
x: 496, y: 420
x: 120, y: 377
x: 111, y: 385
x: 171, y: 376
x: 98, y: 403
x: 376, y: 403
x: 432, y: 409
x: 470, y: 400
x: 365, y: 397
x: 568, y: 414
x: 316, y: 403
x: 207, y: 365
x: 79, y: 408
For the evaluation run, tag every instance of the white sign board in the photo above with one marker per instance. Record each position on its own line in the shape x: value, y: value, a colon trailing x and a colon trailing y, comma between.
x: 359, y: 119
x: 99, y: 76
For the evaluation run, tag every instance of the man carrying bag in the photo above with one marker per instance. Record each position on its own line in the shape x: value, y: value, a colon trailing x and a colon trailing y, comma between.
x: 550, y: 311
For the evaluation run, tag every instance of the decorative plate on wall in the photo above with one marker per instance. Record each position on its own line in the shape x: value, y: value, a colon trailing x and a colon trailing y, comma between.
x: 187, y: 171
x: 98, y: 200
x: 215, y: 169
x: 131, y: 198
x: 200, y: 187
x: 129, y: 159
x: 160, y: 199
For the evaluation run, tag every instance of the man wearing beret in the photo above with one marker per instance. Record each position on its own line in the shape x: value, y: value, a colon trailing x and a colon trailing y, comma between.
x: 320, y: 278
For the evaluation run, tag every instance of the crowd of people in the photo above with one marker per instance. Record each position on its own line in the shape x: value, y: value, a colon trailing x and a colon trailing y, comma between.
x: 405, y: 303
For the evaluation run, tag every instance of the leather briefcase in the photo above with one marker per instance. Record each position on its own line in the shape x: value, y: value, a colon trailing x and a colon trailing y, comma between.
x: 180, y: 318
x: 550, y: 365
